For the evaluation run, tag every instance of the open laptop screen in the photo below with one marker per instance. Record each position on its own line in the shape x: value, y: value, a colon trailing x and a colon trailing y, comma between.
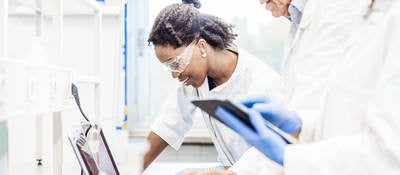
x: 105, y: 163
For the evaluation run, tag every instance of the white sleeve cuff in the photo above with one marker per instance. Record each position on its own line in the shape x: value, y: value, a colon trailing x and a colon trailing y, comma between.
x: 308, y: 118
x: 169, y: 135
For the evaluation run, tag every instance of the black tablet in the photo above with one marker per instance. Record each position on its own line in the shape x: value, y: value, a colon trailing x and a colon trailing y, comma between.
x: 240, y: 111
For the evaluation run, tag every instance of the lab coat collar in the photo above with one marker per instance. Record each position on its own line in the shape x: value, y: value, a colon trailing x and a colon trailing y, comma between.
x: 308, y: 11
x: 240, y: 68
x: 295, y: 9
x: 299, y: 4
x: 307, y: 14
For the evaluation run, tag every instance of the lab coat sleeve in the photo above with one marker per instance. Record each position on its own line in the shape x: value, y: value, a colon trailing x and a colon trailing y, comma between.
x: 175, y: 118
x: 333, y: 20
x: 253, y: 162
x: 376, y: 150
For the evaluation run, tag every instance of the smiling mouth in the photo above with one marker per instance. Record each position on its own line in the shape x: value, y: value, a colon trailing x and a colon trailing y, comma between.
x: 184, y: 81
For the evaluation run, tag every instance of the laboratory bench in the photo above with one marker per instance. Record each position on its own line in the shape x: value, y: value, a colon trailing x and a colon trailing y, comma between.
x: 157, y: 168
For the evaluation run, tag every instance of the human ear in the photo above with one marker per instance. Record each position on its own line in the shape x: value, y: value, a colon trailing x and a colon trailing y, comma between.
x: 202, y: 44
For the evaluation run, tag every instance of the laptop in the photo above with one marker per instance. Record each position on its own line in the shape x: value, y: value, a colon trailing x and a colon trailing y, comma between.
x: 101, y: 163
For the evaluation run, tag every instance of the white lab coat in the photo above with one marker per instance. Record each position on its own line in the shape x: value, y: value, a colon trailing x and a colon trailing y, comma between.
x: 357, y: 134
x: 311, y: 55
x: 176, y: 117
x: 316, y: 48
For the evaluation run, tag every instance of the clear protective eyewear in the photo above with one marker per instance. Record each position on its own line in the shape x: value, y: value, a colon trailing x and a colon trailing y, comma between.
x: 178, y: 64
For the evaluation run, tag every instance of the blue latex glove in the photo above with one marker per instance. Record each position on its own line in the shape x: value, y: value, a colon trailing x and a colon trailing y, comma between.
x: 263, y: 138
x: 285, y: 120
x: 255, y: 99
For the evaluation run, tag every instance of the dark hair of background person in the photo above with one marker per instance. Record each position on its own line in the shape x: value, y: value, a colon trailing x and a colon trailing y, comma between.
x: 179, y: 24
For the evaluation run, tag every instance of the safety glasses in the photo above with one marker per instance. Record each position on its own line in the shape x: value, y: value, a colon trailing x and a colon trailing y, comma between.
x: 179, y: 64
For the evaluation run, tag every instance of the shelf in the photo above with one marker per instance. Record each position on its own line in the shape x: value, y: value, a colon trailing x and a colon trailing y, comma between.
x: 33, y: 113
x: 26, y: 11
x: 33, y: 89
x: 89, y: 80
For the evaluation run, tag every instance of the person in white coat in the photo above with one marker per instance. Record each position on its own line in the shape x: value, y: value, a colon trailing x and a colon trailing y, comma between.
x: 198, y: 49
x: 356, y: 132
x: 319, y: 29
x: 347, y: 133
x: 316, y: 47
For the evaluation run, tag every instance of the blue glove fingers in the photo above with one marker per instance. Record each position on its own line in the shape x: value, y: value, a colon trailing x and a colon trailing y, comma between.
x: 270, y: 112
x: 234, y: 123
x: 258, y: 122
x: 268, y: 142
x: 285, y: 120
x: 254, y: 99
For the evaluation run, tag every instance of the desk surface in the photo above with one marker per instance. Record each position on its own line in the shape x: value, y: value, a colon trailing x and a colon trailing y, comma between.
x: 157, y: 168
x: 171, y: 168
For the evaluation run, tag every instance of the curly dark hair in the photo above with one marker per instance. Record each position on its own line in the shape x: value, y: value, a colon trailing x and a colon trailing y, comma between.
x: 196, y: 3
x: 179, y: 24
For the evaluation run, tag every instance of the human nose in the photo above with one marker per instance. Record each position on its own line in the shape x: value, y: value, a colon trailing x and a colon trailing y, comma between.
x: 175, y: 74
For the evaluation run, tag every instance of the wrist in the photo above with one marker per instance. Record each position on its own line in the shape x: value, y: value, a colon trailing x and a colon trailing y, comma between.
x: 296, y: 134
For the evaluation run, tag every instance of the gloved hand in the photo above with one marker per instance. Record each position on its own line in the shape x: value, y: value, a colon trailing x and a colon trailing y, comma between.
x: 263, y: 138
x: 284, y: 119
x: 254, y: 99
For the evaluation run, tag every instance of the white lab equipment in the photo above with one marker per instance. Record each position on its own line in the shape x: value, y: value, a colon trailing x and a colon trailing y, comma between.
x: 176, y: 117
x: 37, y: 79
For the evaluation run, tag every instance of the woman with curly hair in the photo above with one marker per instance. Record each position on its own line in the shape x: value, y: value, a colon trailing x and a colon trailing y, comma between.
x: 199, y: 50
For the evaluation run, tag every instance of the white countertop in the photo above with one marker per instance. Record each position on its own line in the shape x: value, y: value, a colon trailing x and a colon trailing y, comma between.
x: 157, y: 168
x: 172, y: 168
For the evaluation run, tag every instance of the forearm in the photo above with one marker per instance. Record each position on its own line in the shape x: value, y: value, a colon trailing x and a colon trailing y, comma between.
x: 157, y: 145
